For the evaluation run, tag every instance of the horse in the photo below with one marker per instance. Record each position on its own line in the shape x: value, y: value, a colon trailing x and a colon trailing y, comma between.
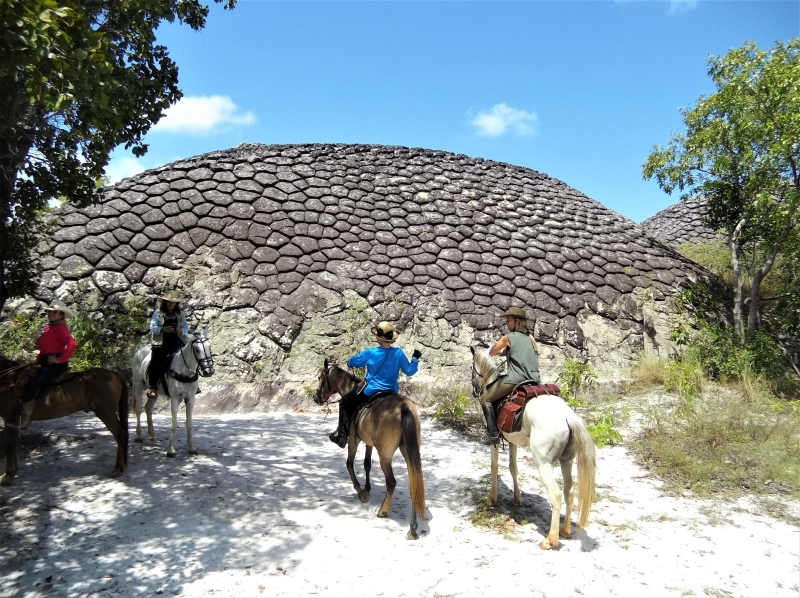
x: 101, y: 391
x: 192, y: 360
x: 388, y: 423
x: 554, y: 433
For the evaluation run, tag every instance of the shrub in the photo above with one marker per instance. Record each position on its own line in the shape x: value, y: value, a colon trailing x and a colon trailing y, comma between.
x: 451, y: 404
x: 650, y: 369
x: 575, y: 376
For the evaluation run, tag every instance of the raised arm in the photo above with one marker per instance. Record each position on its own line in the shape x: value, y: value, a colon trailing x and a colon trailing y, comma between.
x: 500, y: 346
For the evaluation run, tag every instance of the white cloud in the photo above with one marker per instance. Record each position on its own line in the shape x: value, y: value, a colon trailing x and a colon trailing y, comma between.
x: 677, y: 7
x: 198, y: 115
x: 502, y: 118
x: 121, y: 168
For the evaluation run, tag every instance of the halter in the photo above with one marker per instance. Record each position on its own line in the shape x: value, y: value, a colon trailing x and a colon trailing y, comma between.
x: 344, y: 375
x: 206, y: 362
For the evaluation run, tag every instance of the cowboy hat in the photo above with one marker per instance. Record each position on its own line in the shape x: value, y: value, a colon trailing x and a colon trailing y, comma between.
x: 384, y: 331
x: 60, y: 306
x: 171, y: 296
x: 515, y: 312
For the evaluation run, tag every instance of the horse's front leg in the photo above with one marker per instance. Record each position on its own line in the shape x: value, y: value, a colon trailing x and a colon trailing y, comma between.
x: 137, y: 403
x: 189, y: 411
x: 512, y: 467
x: 12, y: 438
x: 493, y: 491
x: 148, y: 409
x: 352, y: 447
x: 175, y: 404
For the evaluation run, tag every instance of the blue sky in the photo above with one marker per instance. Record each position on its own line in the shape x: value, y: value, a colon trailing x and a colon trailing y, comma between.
x: 578, y: 90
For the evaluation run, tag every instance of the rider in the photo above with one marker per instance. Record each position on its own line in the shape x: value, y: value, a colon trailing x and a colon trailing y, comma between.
x: 523, y: 364
x: 383, y: 364
x: 169, y: 330
x: 56, y: 346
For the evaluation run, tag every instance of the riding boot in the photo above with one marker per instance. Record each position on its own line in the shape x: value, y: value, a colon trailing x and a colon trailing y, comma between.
x: 492, y: 435
x: 339, y: 437
x: 25, y: 414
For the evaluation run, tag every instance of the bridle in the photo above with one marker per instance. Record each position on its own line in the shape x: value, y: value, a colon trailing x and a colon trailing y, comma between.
x: 327, y: 381
x: 204, y: 363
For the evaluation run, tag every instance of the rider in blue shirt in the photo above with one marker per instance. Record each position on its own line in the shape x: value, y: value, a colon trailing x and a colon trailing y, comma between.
x: 383, y: 364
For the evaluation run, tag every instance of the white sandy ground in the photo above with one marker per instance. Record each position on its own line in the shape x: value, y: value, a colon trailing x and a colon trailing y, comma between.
x: 267, y: 508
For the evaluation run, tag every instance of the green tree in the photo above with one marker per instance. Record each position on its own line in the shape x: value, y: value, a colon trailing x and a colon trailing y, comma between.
x: 77, y: 79
x: 741, y: 151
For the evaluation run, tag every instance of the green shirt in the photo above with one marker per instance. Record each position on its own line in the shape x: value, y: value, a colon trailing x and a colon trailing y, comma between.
x: 523, y: 362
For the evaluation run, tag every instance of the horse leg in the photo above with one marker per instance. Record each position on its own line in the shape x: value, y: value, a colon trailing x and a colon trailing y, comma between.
x: 566, y: 472
x: 512, y: 467
x: 493, y: 491
x: 412, y: 529
x: 137, y: 402
x: 12, y: 437
x: 189, y: 411
x: 386, y: 466
x: 175, y: 403
x: 367, y: 467
x: 148, y: 409
x: 547, y: 475
x: 352, y: 447
x: 113, y: 425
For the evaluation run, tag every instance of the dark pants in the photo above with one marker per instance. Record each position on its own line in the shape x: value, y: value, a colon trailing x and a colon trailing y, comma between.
x: 41, y: 377
x: 159, y: 358
x: 347, y: 407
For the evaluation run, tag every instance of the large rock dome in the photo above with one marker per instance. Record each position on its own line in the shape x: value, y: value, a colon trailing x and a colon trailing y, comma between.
x: 292, y: 252
x: 681, y: 222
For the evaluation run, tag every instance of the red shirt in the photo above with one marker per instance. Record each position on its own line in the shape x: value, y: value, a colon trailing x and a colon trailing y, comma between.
x: 55, y: 338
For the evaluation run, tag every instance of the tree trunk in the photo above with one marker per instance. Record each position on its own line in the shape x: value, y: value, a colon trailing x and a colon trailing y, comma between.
x: 738, y: 283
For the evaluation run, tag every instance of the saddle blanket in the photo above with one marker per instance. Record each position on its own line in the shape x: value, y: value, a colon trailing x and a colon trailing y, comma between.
x: 510, y: 409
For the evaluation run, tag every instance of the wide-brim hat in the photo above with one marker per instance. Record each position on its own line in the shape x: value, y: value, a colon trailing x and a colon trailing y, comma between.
x: 171, y: 296
x: 60, y: 306
x: 384, y: 331
x: 515, y: 312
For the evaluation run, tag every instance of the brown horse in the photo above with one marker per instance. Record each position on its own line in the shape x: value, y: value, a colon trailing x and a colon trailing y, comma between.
x: 102, y: 391
x: 389, y: 423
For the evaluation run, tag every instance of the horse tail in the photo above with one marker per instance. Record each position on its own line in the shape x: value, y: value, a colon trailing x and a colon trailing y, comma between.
x: 123, y: 408
x: 410, y: 438
x: 585, y: 450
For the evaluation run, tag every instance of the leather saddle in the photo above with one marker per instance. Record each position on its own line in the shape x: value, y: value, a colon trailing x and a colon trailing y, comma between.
x: 510, y: 409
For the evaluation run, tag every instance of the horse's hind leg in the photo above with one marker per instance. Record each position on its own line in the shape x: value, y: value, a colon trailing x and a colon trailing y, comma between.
x: 412, y: 529
x: 113, y: 425
x: 367, y: 467
x: 11, y: 435
x: 386, y: 466
x: 547, y: 474
x: 138, y: 389
x: 493, y: 491
x: 569, y: 497
x: 148, y: 409
x: 352, y: 447
x: 175, y: 401
x: 512, y: 467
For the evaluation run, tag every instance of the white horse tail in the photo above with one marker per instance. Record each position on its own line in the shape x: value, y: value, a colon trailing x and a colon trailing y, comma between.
x: 587, y: 464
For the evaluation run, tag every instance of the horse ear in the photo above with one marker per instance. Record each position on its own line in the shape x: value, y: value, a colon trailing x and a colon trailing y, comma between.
x: 472, y: 349
x: 325, y: 365
x: 205, y: 331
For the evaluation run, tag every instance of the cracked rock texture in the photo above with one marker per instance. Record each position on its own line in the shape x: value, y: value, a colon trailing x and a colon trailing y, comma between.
x: 681, y: 222
x: 293, y: 252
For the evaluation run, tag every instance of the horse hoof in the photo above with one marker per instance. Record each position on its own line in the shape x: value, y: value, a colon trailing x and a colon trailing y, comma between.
x: 411, y: 535
x: 194, y: 452
x: 363, y: 496
x: 116, y: 473
x: 547, y: 545
x: 383, y: 514
x: 139, y: 440
x: 516, y: 503
x: 172, y: 455
x: 6, y: 480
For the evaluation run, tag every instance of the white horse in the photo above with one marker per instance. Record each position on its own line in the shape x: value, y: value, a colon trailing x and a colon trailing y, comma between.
x: 554, y: 434
x: 193, y: 360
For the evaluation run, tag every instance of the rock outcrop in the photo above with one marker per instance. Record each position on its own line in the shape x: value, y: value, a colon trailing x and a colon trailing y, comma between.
x: 292, y: 252
x: 681, y: 222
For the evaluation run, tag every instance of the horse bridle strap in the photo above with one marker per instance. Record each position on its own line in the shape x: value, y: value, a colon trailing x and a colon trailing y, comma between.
x: 182, y: 378
x: 335, y: 388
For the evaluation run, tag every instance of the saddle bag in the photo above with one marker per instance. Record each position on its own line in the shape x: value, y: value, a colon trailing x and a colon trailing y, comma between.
x: 509, y: 418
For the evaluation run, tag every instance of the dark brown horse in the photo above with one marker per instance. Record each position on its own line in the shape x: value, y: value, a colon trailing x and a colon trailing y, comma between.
x: 389, y: 423
x: 101, y: 391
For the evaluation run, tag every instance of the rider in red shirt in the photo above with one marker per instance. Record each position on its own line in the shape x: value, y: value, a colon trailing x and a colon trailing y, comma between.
x: 56, y: 346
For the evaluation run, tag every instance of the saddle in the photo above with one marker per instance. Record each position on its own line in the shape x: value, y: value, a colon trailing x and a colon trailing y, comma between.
x: 369, y: 403
x: 19, y: 382
x: 510, y: 409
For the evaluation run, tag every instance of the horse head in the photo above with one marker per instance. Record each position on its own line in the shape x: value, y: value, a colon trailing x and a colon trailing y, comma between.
x: 331, y: 376
x: 484, y: 369
x: 202, y: 353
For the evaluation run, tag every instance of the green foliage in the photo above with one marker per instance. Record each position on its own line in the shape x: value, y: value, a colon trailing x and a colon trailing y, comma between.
x: 451, y: 404
x: 18, y: 337
x: 77, y: 79
x: 575, y: 377
x: 740, y: 153
x: 713, y: 255
x: 602, y: 425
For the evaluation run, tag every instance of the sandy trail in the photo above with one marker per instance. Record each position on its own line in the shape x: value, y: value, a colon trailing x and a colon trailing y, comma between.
x: 267, y: 508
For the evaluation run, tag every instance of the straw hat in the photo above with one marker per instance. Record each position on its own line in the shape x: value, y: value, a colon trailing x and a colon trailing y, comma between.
x: 60, y: 306
x: 515, y: 312
x: 172, y: 296
x: 384, y: 331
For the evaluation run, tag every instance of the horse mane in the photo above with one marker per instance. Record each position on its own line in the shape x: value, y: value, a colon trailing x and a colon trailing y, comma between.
x: 485, y: 364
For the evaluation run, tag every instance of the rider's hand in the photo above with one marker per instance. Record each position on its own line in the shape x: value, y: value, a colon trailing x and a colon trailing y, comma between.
x: 168, y: 329
x: 416, y: 354
x: 52, y: 359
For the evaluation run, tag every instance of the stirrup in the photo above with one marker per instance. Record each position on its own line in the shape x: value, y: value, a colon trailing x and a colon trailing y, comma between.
x: 338, y: 438
x: 151, y: 393
x: 488, y: 440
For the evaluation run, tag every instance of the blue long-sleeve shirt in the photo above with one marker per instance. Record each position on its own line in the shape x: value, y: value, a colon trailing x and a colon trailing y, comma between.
x: 383, y: 368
